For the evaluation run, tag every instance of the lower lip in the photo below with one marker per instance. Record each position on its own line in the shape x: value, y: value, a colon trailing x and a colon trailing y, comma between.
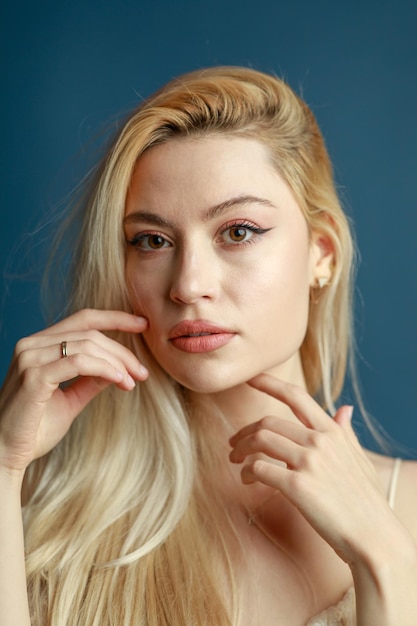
x: 203, y: 343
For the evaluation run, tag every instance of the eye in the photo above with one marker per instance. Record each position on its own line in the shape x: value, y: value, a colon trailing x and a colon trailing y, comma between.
x: 149, y: 242
x: 241, y: 232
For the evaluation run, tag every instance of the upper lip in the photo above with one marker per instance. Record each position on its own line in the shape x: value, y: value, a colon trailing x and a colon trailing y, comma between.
x: 196, y: 327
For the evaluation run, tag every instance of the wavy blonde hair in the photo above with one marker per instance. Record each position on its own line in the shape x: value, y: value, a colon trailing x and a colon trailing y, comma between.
x: 117, y: 529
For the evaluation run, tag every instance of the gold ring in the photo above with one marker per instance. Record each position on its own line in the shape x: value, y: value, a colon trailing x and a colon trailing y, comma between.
x: 64, y: 352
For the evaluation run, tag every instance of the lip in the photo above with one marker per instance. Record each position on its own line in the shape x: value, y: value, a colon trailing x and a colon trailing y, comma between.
x: 196, y: 336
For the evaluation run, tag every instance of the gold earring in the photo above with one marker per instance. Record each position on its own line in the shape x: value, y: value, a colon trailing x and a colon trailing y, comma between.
x: 317, y: 289
x: 322, y: 282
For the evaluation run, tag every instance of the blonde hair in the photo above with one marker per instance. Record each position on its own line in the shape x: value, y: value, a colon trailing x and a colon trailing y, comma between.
x: 117, y: 530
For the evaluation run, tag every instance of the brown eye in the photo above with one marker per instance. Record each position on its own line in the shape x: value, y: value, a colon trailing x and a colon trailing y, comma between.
x: 238, y: 233
x: 148, y: 242
x: 245, y: 232
x: 156, y: 241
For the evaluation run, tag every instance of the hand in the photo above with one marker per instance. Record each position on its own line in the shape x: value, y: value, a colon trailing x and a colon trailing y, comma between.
x: 327, y: 477
x: 35, y: 412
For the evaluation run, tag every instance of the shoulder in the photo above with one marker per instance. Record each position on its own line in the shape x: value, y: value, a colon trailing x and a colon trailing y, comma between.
x: 405, y: 505
x: 406, y: 500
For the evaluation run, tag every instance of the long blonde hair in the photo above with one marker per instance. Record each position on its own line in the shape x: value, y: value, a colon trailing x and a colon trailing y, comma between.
x: 116, y: 525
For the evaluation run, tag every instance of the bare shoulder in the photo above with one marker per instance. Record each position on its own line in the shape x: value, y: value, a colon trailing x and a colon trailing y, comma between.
x: 405, y: 504
x: 406, y: 500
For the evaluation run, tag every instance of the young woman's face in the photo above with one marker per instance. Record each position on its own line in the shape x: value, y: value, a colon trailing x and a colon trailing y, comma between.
x: 219, y: 260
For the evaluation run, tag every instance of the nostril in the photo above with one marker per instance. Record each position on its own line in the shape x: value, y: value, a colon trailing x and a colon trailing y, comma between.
x: 190, y: 293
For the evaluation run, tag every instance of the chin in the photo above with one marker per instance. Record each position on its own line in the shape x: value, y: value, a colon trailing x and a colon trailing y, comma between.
x: 205, y: 385
x: 210, y: 374
x: 206, y: 382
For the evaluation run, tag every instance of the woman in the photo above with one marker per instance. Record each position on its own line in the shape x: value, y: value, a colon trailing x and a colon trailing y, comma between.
x: 184, y: 474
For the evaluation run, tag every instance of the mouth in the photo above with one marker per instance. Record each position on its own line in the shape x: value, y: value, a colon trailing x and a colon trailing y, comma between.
x: 196, y: 328
x: 199, y: 336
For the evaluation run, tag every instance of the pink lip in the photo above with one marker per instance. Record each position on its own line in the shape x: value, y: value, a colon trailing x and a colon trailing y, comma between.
x: 199, y: 336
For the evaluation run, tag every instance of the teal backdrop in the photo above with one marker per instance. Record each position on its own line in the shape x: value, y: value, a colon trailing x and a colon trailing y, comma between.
x: 69, y: 68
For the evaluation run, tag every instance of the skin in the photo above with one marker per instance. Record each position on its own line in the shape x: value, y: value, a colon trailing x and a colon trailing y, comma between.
x: 320, y: 498
x: 200, y: 271
x: 35, y: 414
x: 183, y: 263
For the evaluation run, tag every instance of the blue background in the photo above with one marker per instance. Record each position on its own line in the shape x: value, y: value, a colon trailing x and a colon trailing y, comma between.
x: 69, y: 68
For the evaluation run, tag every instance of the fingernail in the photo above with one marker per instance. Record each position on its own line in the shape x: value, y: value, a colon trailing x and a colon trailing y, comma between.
x: 349, y: 412
x: 130, y: 381
x: 143, y: 371
x: 141, y: 319
x: 119, y: 375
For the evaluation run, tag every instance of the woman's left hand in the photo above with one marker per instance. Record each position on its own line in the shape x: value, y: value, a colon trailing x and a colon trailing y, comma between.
x: 327, y: 477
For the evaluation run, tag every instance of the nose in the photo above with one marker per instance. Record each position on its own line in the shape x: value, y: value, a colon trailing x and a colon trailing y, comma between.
x: 194, y: 277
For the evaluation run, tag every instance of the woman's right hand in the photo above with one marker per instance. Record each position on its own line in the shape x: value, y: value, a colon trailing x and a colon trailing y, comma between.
x: 35, y: 412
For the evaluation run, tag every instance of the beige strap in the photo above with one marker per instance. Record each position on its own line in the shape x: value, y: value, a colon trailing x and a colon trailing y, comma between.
x: 392, y: 489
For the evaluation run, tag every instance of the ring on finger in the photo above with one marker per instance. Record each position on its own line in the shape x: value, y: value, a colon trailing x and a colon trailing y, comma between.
x: 64, y: 351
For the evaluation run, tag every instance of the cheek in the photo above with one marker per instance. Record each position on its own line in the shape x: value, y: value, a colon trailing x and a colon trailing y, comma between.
x: 284, y: 275
x: 279, y: 293
x: 140, y: 292
x: 142, y: 304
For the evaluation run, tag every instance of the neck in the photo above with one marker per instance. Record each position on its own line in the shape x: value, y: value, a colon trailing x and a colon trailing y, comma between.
x: 237, y: 407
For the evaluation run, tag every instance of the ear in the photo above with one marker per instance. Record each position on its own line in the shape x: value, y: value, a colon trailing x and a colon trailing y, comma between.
x: 321, y: 258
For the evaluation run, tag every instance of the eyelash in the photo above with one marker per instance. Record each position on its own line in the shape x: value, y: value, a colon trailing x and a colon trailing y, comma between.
x: 248, y: 226
x: 137, y: 239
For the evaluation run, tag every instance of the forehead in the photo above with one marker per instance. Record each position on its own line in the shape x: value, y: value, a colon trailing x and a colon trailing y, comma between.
x: 202, y: 172
x: 220, y: 155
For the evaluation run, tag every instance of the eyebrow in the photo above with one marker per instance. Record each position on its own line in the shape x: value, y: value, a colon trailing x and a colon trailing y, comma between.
x: 211, y: 213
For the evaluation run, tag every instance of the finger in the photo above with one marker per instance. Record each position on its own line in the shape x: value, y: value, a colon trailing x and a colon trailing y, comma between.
x: 343, y: 416
x: 90, y: 319
x: 109, y: 348
x: 268, y: 474
x: 291, y: 430
x: 69, y: 403
x: 304, y: 407
x: 82, y: 391
x: 73, y: 399
x: 48, y: 349
x: 44, y: 380
x: 264, y: 441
